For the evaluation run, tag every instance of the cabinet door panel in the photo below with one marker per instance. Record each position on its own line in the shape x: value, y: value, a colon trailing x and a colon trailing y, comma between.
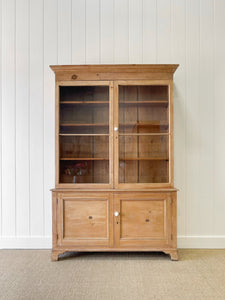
x: 144, y: 220
x: 143, y: 118
x: 84, y: 219
x: 84, y: 134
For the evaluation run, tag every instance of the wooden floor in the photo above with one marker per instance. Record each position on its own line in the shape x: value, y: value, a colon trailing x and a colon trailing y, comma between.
x: 30, y: 274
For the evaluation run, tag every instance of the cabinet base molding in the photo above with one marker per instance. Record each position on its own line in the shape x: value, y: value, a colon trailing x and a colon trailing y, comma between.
x: 57, y: 253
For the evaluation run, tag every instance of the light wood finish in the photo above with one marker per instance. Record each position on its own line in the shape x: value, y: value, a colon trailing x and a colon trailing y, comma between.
x: 111, y: 131
x: 60, y: 189
x: 84, y: 102
x: 83, y: 158
x: 95, y: 120
x: 142, y: 127
x: 111, y: 118
x: 83, y: 124
x: 54, y: 220
x: 114, y: 72
x: 84, y: 219
x: 157, y: 234
x: 144, y: 102
x: 56, y: 134
x: 144, y: 220
x: 84, y: 134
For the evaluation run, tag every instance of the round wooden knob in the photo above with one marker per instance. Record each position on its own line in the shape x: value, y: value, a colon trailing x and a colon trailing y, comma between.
x: 74, y: 76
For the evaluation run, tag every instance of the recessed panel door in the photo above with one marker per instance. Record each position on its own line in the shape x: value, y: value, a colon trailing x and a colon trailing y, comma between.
x: 85, y: 219
x: 142, y: 220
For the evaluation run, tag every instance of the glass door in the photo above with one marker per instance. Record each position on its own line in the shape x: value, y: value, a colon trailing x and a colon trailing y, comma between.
x: 143, y: 147
x: 84, y: 138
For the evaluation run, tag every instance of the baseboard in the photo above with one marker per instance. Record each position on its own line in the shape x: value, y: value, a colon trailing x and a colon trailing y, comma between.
x: 24, y: 242
x: 201, y: 242
x: 39, y: 242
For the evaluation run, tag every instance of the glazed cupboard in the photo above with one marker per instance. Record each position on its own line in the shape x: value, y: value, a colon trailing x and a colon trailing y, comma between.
x: 114, y: 182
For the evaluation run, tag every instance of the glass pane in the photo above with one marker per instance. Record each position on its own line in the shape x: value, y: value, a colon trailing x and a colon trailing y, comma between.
x: 84, y: 93
x: 143, y: 109
x: 144, y: 147
x: 144, y: 159
x: 84, y: 109
x: 84, y: 134
x: 84, y: 171
x: 91, y: 147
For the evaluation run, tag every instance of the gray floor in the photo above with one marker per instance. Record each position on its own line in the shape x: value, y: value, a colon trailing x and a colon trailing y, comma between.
x: 30, y: 274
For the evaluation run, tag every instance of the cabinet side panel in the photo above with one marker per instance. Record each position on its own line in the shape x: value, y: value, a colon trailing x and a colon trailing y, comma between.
x: 171, y: 142
x: 56, y: 134
x: 174, y: 220
x: 54, y: 220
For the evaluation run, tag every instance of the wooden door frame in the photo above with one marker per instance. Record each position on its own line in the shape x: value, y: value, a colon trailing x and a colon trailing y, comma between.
x: 57, y: 144
x: 169, y: 184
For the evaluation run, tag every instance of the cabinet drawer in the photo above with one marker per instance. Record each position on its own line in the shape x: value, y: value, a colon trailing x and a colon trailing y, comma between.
x: 84, y: 219
x: 143, y: 220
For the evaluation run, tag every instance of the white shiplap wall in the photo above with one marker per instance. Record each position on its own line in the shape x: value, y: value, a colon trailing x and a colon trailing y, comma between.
x: 35, y: 34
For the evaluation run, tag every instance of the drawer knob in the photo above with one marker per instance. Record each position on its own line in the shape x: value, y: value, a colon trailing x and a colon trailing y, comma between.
x: 116, y: 214
x: 74, y: 76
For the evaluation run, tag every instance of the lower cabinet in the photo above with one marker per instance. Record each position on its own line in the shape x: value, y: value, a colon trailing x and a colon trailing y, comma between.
x: 114, y: 221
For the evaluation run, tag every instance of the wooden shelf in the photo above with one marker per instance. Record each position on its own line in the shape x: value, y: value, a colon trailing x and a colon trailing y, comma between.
x: 84, y: 102
x: 83, y: 134
x: 146, y: 124
x: 145, y: 102
x: 144, y: 134
x: 145, y: 158
x: 83, y: 158
x: 84, y: 124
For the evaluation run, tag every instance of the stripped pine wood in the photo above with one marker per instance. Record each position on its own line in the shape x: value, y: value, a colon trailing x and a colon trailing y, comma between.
x: 35, y: 34
x: 117, y: 219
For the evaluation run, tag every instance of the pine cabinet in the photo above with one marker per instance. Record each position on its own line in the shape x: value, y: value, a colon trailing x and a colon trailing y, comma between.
x: 114, y: 183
